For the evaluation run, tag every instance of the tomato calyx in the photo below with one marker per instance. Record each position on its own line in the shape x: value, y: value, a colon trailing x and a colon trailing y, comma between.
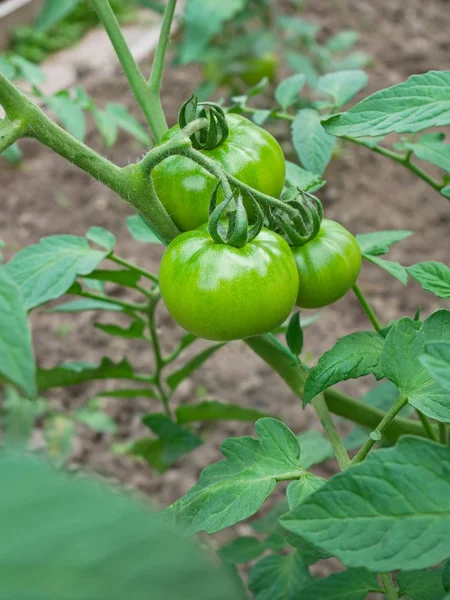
x: 303, y: 225
x: 237, y: 233
x: 216, y: 129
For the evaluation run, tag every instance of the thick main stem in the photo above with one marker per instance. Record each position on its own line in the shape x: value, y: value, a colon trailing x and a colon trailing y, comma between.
x: 389, y: 587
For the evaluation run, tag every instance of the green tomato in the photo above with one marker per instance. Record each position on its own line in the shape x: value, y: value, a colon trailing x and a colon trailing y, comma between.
x: 259, y: 67
x: 328, y: 265
x: 250, y: 153
x: 219, y: 292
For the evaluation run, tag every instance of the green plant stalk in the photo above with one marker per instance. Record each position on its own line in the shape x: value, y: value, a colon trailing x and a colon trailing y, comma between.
x: 427, y: 426
x: 10, y: 133
x: 340, y: 452
x: 378, y: 432
x: 389, y: 587
x: 155, y: 80
x: 127, y: 305
x: 159, y: 360
x: 138, y: 84
x: 443, y: 433
x: 367, y: 308
x: 132, y: 267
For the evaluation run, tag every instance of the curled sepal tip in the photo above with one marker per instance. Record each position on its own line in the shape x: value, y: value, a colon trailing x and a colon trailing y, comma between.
x: 228, y: 221
x: 301, y: 222
x: 216, y: 130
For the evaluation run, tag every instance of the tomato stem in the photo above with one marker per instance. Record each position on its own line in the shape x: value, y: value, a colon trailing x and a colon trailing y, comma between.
x: 128, y: 265
x: 389, y: 587
x: 159, y: 360
x: 367, y: 308
x: 331, y: 432
x: 431, y: 433
x: 443, y: 433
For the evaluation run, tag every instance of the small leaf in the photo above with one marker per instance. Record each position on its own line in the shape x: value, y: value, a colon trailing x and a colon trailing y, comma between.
x: 314, y: 448
x: 354, y: 60
x: 279, y: 577
x: 83, y: 305
x: 18, y: 416
x: 437, y: 362
x: 68, y: 113
x: 102, y: 237
x: 53, y: 12
x: 298, y: 491
x: 7, y: 69
x: 16, y: 349
x: 300, y: 178
x: 420, y: 102
x: 393, y: 268
x: 353, y: 584
x: 342, y: 86
x: 95, y: 419
x: 352, y: 356
x: 121, y: 276
x: 379, y: 242
x: 260, y: 116
x: 213, y: 410
x: 313, y: 145
x: 435, y: 152
x: 299, y: 63
x: 174, y: 379
x: 240, y: 550
x: 13, y: 154
x: 140, y: 230
x: 344, y: 40
x: 422, y: 585
x: 134, y: 332
x: 234, y: 489
x: 106, y: 126
x: 288, y: 90
x: 433, y: 277
x: 365, y: 530
x: 123, y: 119
x: 46, y: 270
x: 28, y: 70
x: 294, y: 335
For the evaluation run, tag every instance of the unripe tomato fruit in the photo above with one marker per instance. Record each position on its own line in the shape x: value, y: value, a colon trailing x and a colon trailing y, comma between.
x: 250, y: 153
x: 328, y: 265
x: 261, y: 66
x: 219, y: 292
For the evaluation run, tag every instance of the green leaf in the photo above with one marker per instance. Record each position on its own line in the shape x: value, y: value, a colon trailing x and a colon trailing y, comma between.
x: 353, y: 356
x: 294, y: 334
x: 6, y: 68
x: 78, y: 372
x: 13, y: 154
x: 401, y: 363
x: 95, y: 419
x: 288, y: 90
x: 46, y: 270
x: 202, y: 21
x: 172, y: 443
x: 119, y: 115
x: 241, y: 550
x: 433, y: 277
x: 16, y: 349
x: 437, y: 362
x: 214, y: 410
x: 435, y: 152
x: 175, y: 378
x: 422, y: 585
x: 420, y: 102
x: 353, y: 584
x: 43, y: 511
x: 68, y: 113
x: 313, y: 145
x: 300, y: 178
x: 363, y: 529
x: 342, y: 86
x: 269, y: 523
x: 299, y: 63
x: 306, y: 30
x: 234, y: 489
x: 298, y: 491
x: 379, y: 242
x: 106, y: 126
x: 140, y: 230
x: 102, y: 237
x: 134, y: 332
x: 128, y: 393
x: 279, y: 577
x: 28, y: 70
x: 444, y: 191
x: 344, y: 40
x: 53, y: 12
x: 120, y: 276
x: 314, y: 448
x: 354, y: 60
x: 83, y: 305
x: 18, y: 416
x: 393, y: 268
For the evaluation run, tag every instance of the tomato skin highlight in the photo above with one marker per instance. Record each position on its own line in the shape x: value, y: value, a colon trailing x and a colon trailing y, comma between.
x: 222, y: 293
x: 250, y: 153
x: 328, y: 265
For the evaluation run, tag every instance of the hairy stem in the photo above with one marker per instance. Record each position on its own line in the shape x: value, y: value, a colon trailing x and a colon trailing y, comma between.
x: 10, y: 132
x: 138, y: 84
x: 389, y: 586
x: 367, y: 308
x: 331, y: 432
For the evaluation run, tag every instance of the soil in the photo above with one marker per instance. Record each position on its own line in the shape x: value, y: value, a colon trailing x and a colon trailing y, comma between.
x: 364, y: 191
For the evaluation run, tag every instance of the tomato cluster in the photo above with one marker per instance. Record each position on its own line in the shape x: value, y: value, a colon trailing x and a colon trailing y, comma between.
x: 220, y: 292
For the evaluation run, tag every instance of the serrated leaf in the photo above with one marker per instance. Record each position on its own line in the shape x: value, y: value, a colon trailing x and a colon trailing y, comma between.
x: 342, y: 86
x: 234, y: 489
x: 46, y: 270
x: 314, y: 448
x: 365, y: 530
x: 95, y: 419
x: 433, y: 277
x: 420, y: 102
x: 435, y: 152
x: 298, y: 491
x: 379, y: 242
x: 242, y: 549
x: 437, y: 362
x: 352, y: 584
x: 401, y: 363
x: 83, y: 305
x: 393, y: 268
x: 214, y: 410
x: 294, y: 335
x: 68, y: 113
x: 279, y: 577
x: 102, y: 237
x: 134, y: 332
x: 16, y: 349
x: 313, y: 145
x: 175, y: 378
x: 422, y: 585
x: 138, y: 550
x: 78, y: 372
x: 352, y: 356
x: 300, y: 178
x: 344, y: 40
x: 123, y: 119
x: 288, y: 90
x: 140, y: 230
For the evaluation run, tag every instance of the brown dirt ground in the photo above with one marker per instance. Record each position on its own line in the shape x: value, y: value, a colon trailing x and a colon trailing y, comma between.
x: 365, y: 192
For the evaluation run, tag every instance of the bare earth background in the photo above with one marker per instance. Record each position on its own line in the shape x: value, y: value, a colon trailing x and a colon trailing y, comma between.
x: 365, y: 192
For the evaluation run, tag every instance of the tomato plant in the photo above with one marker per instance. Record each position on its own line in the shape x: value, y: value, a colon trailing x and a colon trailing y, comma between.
x: 262, y: 244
